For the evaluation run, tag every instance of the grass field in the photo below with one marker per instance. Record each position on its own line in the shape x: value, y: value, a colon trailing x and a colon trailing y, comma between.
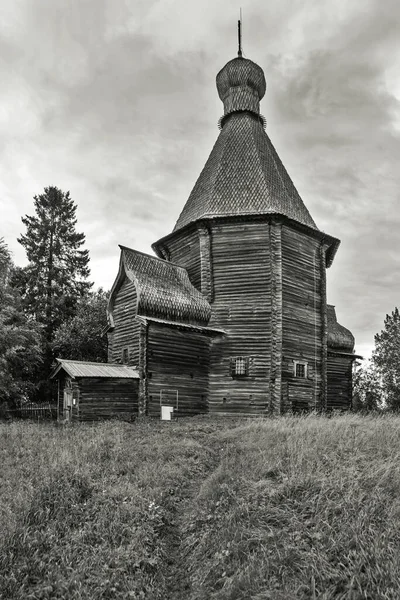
x: 288, y: 508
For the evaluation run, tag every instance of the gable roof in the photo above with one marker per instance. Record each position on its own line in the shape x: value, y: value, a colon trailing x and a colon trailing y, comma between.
x: 242, y: 176
x: 79, y: 368
x: 163, y: 289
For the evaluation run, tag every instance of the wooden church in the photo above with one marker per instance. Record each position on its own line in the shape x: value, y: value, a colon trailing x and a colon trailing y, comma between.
x: 230, y: 316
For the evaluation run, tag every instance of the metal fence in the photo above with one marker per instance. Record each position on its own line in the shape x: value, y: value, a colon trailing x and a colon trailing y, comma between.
x: 36, y: 411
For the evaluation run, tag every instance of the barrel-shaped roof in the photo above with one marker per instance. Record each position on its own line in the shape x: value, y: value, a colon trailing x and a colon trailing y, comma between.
x: 339, y: 338
x: 163, y: 289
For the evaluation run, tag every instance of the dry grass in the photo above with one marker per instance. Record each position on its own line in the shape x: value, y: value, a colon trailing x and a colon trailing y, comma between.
x: 291, y: 508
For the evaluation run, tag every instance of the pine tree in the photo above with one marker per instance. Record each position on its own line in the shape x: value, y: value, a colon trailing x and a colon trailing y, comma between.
x: 56, y: 276
x: 386, y: 358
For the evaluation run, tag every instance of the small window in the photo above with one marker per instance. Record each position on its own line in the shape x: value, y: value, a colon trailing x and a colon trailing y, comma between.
x: 239, y: 366
x: 300, y: 369
x: 125, y: 355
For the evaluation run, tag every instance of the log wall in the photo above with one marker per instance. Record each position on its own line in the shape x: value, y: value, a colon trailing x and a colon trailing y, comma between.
x: 242, y: 307
x: 105, y: 398
x: 126, y: 328
x: 339, y: 382
x: 184, y: 250
x: 302, y: 324
x: 99, y: 398
x: 177, y: 361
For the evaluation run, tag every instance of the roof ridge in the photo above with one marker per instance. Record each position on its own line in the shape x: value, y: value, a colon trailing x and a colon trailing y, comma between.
x: 244, y: 175
x: 91, y: 362
x: 162, y: 260
x: 275, y: 156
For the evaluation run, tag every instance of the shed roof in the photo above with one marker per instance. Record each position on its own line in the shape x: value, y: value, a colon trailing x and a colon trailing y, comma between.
x: 164, y: 290
x: 78, y: 368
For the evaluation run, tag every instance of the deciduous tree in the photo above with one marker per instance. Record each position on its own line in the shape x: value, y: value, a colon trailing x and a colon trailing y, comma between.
x: 83, y: 337
x: 20, y: 339
x: 367, y: 389
x: 386, y: 358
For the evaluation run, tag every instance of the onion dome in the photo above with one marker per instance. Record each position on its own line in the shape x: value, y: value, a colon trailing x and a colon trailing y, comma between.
x: 241, y: 85
x: 243, y: 174
x: 339, y: 338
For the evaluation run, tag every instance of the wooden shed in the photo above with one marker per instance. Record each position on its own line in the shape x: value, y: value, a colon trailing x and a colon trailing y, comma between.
x: 88, y: 391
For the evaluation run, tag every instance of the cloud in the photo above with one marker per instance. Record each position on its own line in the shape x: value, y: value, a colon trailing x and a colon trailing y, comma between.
x: 117, y: 103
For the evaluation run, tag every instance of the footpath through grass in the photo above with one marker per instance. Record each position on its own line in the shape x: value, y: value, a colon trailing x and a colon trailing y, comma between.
x: 201, y: 509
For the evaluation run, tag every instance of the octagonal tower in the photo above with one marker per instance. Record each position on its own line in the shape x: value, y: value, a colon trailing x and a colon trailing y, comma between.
x: 251, y: 247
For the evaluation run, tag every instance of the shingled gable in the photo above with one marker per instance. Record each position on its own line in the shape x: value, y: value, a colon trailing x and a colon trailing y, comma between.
x: 163, y: 290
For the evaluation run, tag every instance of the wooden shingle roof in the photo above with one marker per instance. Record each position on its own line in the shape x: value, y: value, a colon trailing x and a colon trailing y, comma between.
x: 243, y: 176
x: 339, y: 338
x: 164, y: 290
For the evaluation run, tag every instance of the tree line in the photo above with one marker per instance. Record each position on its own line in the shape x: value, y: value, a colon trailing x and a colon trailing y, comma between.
x: 376, y: 385
x: 47, y: 308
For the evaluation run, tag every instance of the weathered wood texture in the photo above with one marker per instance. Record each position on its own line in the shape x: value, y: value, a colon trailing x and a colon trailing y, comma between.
x: 65, y: 381
x: 206, y: 266
x: 98, y: 398
x: 323, y: 395
x: 301, y: 316
x: 339, y: 382
x: 184, y: 250
x: 126, y: 328
x: 143, y: 355
x: 242, y: 307
x: 275, y: 245
x: 177, y: 361
x: 104, y: 398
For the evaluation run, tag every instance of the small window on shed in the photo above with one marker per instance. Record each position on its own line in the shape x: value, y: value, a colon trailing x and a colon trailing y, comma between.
x: 125, y: 355
x: 239, y: 366
x: 300, y: 369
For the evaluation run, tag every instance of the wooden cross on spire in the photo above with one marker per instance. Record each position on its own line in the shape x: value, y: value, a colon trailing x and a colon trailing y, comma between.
x: 240, y: 34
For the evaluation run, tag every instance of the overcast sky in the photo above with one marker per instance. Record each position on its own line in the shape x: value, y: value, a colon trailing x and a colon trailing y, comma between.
x: 115, y: 100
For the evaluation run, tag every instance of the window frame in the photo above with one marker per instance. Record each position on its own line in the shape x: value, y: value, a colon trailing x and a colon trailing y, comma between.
x: 239, y: 366
x: 125, y: 355
x: 300, y: 363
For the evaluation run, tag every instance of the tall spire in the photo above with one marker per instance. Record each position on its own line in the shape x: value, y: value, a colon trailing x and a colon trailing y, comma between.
x: 240, y: 35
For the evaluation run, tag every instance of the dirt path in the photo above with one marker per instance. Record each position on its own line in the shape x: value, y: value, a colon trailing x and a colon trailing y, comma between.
x: 177, y: 574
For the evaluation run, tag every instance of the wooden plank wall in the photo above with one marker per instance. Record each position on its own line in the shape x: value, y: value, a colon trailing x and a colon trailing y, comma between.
x: 302, y: 324
x: 177, y: 360
x: 242, y: 307
x: 184, y: 250
x: 104, y: 398
x: 62, y: 378
x: 126, y: 332
x: 339, y: 382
